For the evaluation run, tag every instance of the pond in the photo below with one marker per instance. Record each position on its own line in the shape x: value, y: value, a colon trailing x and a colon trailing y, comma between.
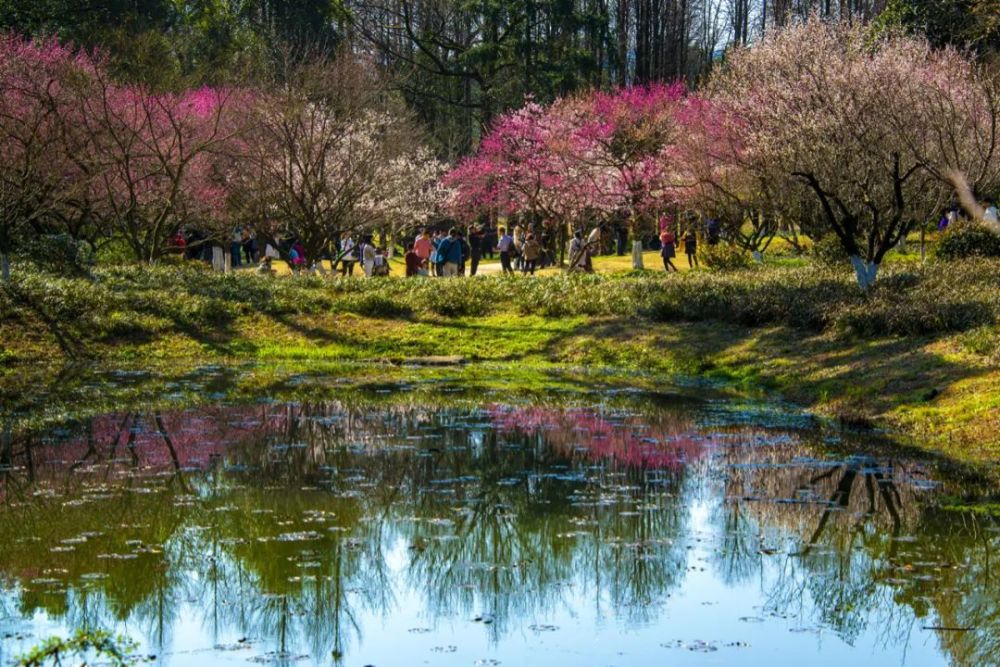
x: 597, y: 529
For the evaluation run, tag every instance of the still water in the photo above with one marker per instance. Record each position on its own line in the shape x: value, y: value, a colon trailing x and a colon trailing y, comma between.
x: 634, y: 531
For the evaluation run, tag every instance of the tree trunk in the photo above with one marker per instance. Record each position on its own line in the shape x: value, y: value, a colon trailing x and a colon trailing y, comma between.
x: 866, y: 272
x: 562, y: 241
x: 637, y: 255
x: 5, y: 266
x: 6, y: 445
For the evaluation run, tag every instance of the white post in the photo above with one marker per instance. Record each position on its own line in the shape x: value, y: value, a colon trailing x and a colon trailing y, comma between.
x: 218, y: 259
x: 637, y: 256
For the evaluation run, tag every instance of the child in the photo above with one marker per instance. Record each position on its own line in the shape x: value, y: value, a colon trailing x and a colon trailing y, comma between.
x: 381, y: 265
x: 414, y: 262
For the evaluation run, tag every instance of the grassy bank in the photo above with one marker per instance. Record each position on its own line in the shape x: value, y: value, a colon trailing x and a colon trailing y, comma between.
x: 921, y: 355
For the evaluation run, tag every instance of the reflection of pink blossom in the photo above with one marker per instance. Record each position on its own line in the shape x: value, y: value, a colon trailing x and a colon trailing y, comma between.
x: 631, y: 441
x: 197, y: 437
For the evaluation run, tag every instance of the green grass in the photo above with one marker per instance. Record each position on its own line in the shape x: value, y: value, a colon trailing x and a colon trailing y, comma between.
x: 918, y: 355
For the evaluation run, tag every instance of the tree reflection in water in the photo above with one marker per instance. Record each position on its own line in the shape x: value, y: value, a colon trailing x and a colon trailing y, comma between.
x: 289, y: 524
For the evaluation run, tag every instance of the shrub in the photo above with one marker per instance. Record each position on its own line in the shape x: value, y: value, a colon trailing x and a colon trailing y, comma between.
x: 724, y: 257
x: 57, y: 253
x: 968, y: 239
x: 829, y: 251
x: 377, y: 305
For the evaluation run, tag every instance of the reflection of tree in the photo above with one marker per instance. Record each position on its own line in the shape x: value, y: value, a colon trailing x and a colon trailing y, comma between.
x: 276, y: 520
x: 854, y: 535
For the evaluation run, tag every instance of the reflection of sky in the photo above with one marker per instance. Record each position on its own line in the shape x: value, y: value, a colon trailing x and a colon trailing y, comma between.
x: 696, y: 615
x: 703, y: 614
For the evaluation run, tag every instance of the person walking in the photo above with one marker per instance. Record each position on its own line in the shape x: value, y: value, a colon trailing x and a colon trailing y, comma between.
x: 668, y: 250
x: 506, y: 248
x: 532, y: 252
x: 691, y: 248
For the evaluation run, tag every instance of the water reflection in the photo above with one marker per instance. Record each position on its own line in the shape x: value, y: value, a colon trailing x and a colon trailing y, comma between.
x: 279, y: 532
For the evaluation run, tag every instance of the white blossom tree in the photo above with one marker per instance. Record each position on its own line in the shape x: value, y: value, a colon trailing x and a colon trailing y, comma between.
x: 861, y: 126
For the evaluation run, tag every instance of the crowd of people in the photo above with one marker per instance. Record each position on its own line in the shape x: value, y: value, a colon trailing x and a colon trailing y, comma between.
x: 430, y: 252
x: 457, y: 252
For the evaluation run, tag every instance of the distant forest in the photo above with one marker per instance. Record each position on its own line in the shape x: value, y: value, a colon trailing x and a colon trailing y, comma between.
x: 459, y: 63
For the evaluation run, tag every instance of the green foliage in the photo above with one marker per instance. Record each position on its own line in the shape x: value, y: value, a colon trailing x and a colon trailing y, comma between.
x: 968, y: 239
x: 984, y: 341
x: 129, y: 302
x: 59, y: 253
x: 115, y: 650
x: 724, y: 257
x: 961, y: 23
x: 377, y: 305
x: 829, y: 251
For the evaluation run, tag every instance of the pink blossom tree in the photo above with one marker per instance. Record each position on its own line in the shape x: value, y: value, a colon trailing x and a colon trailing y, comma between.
x: 154, y: 160
x: 35, y: 180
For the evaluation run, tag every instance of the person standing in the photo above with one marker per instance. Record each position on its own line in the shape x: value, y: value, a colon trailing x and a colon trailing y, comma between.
x: 519, y: 235
x: 249, y: 245
x: 414, y: 264
x: 691, y: 248
x: 506, y: 247
x: 592, y: 248
x: 577, y: 249
x: 423, y: 246
x: 367, y: 256
x: 532, y: 251
x: 476, y: 240
x: 714, y: 228
x: 348, y: 255
x: 450, y: 254
x: 489, y: 241
x: 668, y: 249
x: 236, y: 247
x: 992, y: 215
x: 466, y: 250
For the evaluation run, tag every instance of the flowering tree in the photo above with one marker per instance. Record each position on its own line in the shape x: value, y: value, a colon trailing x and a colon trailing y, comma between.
x: 719, y: 177
x: 34, y: 178
x: 154, y: 163
x: 323, y: 158
x: 595, y: 155
x: 628, y: 140
x: 826, y: 113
